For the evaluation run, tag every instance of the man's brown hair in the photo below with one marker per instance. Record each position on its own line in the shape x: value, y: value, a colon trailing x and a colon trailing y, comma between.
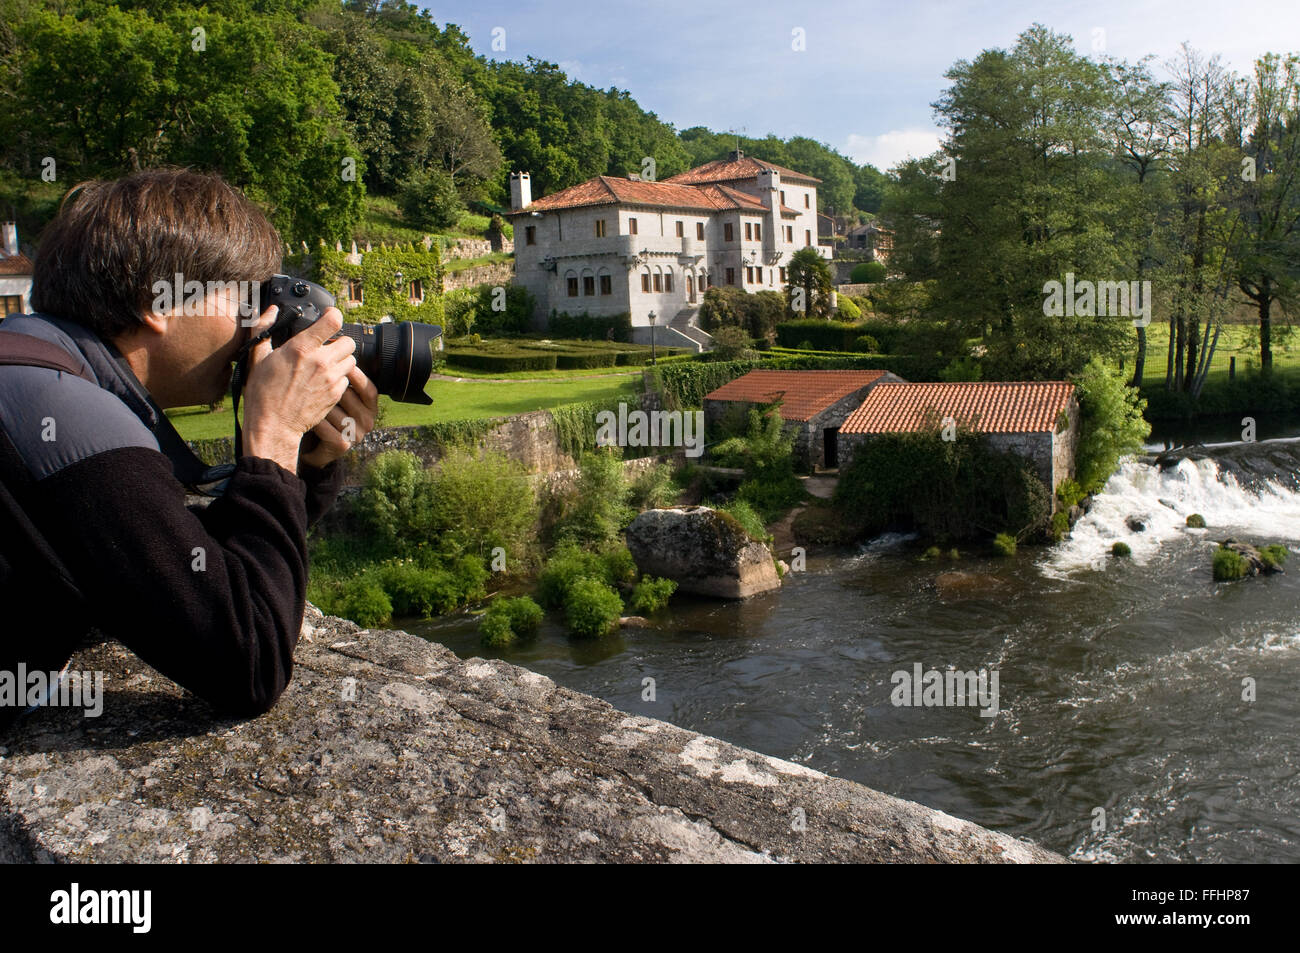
x: 97, y: 262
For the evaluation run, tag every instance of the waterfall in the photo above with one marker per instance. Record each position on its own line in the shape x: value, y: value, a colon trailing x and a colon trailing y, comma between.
x: 1265, y: 508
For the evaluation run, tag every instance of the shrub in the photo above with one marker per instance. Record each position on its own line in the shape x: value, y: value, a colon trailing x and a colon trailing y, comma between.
x: 1229, y: 564
x: 653, y: 488
x: 479, y: 501
x: 394, y: 503
x: 847, y: 308
x: 591, y: 608
x: 586, y: 327
x: 1196, y: 521
x: 815, y: 334
x: 429, y: 200
x: 1069, y: 493
x: 494, y: 631
x: 568, y: 564
x: 1060, y: 525
x: 1111, y: 423
x: 651, y: 595
x: 961, y: 369
x: 600, y: 509
x: 364, y: 602
x: 746, y: 517
x: 1273, y: 557
x: 1121, y: 549
x: 410, y: 588
x: 619, y: 564
x: 732, y: 344
x: 868, y: 272
x: 509, y: 619
x: 524, y: 614
x: 1004, y: 544
x: 933, y: 552
x: 866, y: 344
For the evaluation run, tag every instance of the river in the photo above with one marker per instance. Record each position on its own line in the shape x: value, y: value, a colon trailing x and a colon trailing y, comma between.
x: 1121, y: 681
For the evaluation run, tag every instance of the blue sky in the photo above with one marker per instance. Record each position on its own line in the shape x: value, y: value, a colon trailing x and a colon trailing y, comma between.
x: 869, y: 72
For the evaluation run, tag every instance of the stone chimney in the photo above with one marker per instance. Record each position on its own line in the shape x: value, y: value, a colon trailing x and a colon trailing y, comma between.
x: 521, y: 190
x: 10, y: 239
x: 735, y: 155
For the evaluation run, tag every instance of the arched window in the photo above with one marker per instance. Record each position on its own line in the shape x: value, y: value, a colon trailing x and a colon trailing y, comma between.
x: 605, y: 282
x: 588, y: 282
x: 668, y: 280
x: 571, y: 283
x: 645, y: 280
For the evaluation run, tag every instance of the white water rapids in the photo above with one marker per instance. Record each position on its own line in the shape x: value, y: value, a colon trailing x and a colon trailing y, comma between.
x: 1162, y: 500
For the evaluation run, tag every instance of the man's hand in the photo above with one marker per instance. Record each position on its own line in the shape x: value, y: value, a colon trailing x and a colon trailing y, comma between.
x: 347, y: 424
x: 293, y: 388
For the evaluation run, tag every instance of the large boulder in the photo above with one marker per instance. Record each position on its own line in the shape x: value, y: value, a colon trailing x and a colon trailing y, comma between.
x: 706, y: 551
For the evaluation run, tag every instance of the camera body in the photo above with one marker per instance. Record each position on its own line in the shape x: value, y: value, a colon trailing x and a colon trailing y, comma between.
x: 395, y: 356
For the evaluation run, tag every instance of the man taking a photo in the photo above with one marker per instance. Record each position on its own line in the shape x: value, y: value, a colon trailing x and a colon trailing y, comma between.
x: 213, y: 598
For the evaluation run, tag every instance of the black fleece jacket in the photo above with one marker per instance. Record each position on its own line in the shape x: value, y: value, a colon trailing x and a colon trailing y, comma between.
x: 213, y: 597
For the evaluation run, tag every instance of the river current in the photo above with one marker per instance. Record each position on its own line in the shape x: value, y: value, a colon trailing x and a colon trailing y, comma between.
x: 1144, y: 712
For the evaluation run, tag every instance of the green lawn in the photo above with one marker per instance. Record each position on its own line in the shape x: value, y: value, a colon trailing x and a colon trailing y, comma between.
x: 453, y: 370
x: 451, y: 401
x: 1239, y: 341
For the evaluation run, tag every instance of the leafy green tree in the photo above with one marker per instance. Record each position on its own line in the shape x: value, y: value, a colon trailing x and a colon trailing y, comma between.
x: 429, y: 200
x: 1111, y: 424
x: 1026, y: 199
x: 1268, y: 261
x: 808, y: 284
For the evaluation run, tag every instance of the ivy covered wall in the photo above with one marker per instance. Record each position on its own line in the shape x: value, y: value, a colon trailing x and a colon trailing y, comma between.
x: 377, y: 271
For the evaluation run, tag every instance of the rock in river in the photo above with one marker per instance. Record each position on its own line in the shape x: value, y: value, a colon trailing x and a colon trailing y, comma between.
x: 706, y: 551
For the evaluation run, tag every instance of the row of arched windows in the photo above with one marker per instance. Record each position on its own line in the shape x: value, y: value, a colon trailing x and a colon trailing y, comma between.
x: 656, y: 279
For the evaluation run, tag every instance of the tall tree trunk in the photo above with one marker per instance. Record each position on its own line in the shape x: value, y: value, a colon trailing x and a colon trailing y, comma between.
x: 1169, y: 355
x: 1140, y: 362
x: 1198, y: 289
x: 1180, y: 350
x: 1265, y: 326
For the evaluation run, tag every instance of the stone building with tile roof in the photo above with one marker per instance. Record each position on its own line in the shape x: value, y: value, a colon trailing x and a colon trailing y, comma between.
x: 620, y: 245
x: 1037, y: 419
x: 814, y: 404
x: 15, y: 273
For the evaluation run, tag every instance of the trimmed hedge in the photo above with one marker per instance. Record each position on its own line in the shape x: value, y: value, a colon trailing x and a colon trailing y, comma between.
x: 502, y: 362
x: 823, y: 335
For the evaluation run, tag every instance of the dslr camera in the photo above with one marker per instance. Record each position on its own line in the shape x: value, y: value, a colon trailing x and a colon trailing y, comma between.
x: 396, y: 356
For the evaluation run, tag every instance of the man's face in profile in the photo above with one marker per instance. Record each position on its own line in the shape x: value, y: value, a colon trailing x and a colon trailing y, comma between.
x: 192, y: 363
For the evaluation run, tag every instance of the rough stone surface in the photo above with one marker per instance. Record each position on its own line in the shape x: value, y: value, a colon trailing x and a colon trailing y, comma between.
x: 705, y: 551
x: 388, y: 748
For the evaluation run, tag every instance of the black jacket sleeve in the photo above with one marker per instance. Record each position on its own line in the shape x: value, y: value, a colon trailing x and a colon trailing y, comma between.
x: 213, y: 600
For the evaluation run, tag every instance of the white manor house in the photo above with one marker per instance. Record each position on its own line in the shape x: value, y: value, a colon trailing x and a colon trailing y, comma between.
x: 612, y: 245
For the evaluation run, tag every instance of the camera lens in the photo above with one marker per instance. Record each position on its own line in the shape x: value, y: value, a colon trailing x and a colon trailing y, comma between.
x: 396, y: 357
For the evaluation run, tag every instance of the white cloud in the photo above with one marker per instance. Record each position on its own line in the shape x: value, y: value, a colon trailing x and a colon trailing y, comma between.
x: 888, y: 149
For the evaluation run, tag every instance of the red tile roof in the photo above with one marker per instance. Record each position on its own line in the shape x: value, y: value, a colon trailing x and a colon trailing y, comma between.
x: 1015, y: 407
x: 805, y: 393
x: 729, y: 170
x: 15, y: 265
x: 610, y: 190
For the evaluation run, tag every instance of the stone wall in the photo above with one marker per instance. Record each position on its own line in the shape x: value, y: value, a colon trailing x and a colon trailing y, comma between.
x: 473, y: 248
x: 386, y: 748
x: 493, y: 273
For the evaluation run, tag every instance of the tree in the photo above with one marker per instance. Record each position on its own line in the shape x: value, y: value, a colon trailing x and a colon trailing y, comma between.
x: 1268, y: 263
x: 1111, y: 424
x: 808, y: 285
x: 1029, y: 200
x: 1138, y: 116
x: 429, y: 200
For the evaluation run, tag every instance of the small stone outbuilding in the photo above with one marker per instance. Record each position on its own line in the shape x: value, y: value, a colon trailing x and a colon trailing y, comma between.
x: 814, y: 403
x: 1037, y: 419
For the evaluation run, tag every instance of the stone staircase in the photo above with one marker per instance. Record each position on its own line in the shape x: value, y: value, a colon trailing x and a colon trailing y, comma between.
x: 685, y: 323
